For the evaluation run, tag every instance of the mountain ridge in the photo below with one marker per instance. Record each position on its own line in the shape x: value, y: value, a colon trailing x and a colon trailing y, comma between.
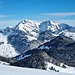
x: 24, y: 35
x: 46, y: 45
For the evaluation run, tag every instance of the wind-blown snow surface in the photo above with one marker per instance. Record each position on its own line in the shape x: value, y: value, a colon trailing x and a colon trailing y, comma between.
x: 10, y: 70
x: 6, y: 49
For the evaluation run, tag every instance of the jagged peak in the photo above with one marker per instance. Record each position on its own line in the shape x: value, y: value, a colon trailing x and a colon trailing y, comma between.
x: 10, y: 26
x: 49, y: 25
x: 51, y: 22
x: 27, y: 21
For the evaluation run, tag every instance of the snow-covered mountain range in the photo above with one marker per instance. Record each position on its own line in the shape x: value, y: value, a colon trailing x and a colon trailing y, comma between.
x: 30, y: 34
x: 25, y: 41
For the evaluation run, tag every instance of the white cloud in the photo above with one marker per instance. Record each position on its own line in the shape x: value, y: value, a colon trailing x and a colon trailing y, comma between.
x: 5, y: 23
x: 70, y: 22
x: 62, y: 14
x: 3, y: 16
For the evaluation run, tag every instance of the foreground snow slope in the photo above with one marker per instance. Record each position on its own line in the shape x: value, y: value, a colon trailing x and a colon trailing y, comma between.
x: 10, y: 70
x: 6, y: 49
x: 70, y: 70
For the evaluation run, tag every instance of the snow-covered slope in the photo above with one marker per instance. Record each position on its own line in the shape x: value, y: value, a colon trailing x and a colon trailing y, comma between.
x: 29, y: 27
x: 70, y: 70
x: 66, y: 27
x: 33, y: 28
x: 9, y: 70
x: 6, y: 49
x: 20, y: 35
x: 8, y: 30
x: 57, y: 29
x: 68, y: 34
x: 49, y: 25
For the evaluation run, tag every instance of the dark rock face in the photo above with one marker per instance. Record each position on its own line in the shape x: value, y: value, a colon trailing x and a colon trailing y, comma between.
x: 18, y: 41
x: 1, y: 43
x: 37, y: 60
x: 21, y: 43
x: 47, y: 35
x: 63, y: 49
x: 67, y: 27
x: 65, y: 55
x: 59, y: 41
x: 33, y: 44
x: 1, y: 31
x: 60, y: 49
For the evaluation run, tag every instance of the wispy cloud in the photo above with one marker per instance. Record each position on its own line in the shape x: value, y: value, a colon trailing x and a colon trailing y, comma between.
x: 70, y: 22
x: 62, y: 14
x: 5, y: 23
x: 3, y: 16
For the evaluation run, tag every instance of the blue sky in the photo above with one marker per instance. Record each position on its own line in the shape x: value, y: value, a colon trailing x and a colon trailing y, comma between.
x: 13, y: 11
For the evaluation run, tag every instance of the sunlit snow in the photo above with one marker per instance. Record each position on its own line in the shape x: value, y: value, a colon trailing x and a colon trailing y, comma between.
x: 10, y: 70
x: 6, y: 49
x: 70, y: 70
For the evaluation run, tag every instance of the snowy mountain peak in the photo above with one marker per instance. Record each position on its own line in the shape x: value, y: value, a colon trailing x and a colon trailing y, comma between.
x: 8, y: 30
x: 66, y: 27
x: 10, y: 27
x: 25, y: 21
x: 49, y: 25
x: 30, y: 21
x: 52, y: 22
x: 27, y: 25
x: 6, y: 49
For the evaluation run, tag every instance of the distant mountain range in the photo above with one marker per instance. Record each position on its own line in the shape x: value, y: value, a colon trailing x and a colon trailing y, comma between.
x: 29, y: 34
x: 46, y: 45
